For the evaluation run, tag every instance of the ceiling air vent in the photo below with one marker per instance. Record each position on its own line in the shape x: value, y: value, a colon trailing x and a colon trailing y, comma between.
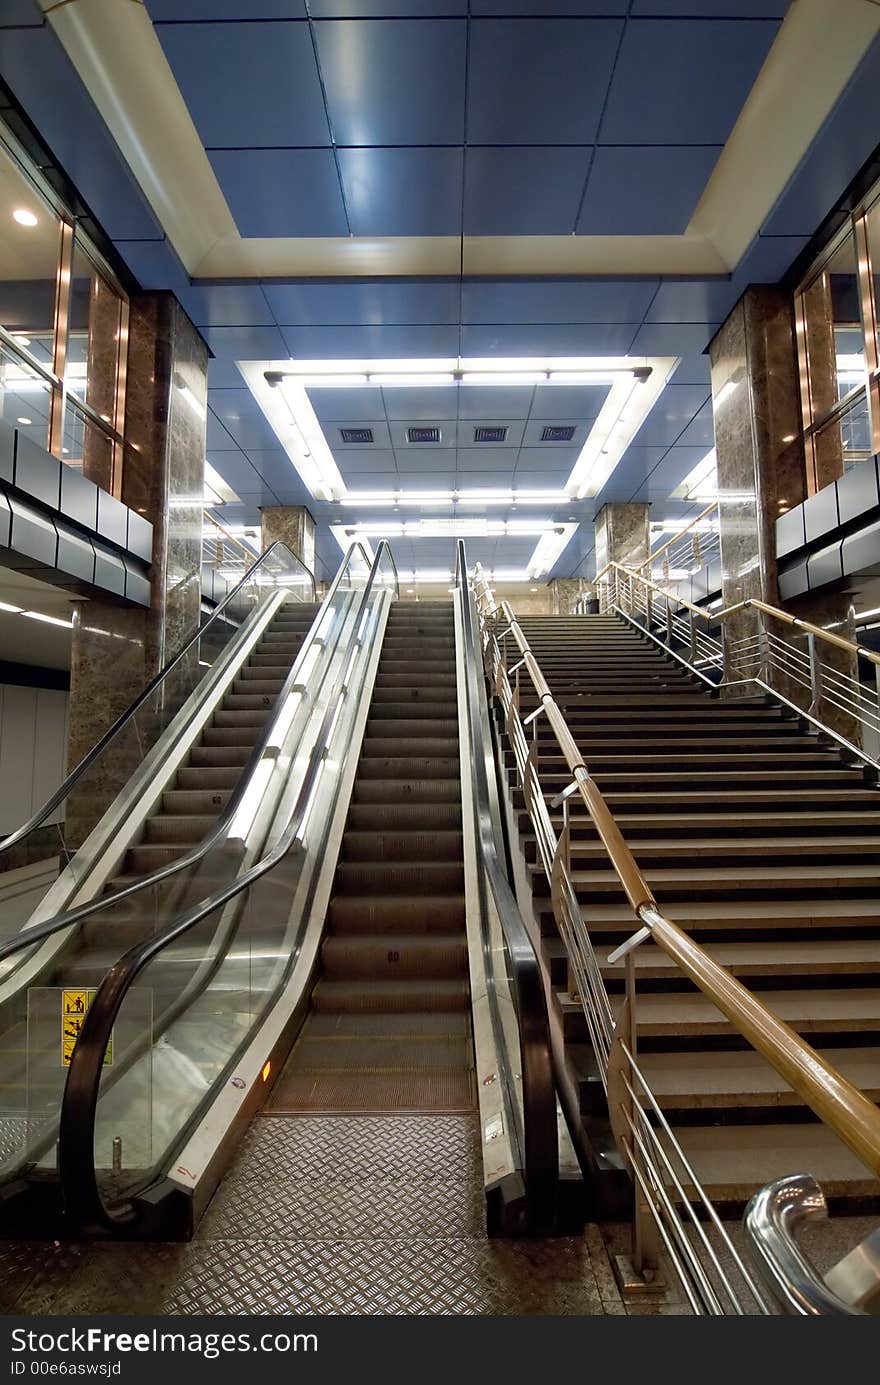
x: 356, y: 434
x: 423, y: 434
x: 487, y: 434
x: 558, y: 432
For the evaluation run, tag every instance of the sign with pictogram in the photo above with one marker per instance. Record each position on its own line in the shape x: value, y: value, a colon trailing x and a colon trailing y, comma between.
x: 74, y: 1005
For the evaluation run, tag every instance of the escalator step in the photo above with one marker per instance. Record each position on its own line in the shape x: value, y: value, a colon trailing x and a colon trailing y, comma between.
x: 415, y: 1091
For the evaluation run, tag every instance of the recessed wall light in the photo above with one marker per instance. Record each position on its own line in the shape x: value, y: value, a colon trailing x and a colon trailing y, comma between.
x: 24, y: 217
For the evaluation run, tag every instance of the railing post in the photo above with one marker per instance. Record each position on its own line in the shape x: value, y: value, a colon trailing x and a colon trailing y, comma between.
x: 815, y: 676
x: 668, y: 620
x: 693, y: 636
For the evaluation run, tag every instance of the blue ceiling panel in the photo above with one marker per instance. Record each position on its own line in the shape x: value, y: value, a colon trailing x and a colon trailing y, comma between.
x: 381, y: 435
x: 336, y: 403
x: 388, y: 82
x: 523, y: 192
x: 218, y: 439
x: 693, y: 300
x: 643, y: 190
x: 494, y: 401
x: 243, y: 418
x: 631, y: 471
x: 425, y: 462
x: 236, y: 471
x: 671, y: 414
x: 713, y: 9
x: 227, y: 305
x: 351, y: 459
x: 282, y: 192
x: 549, y: 457
x: 699, y: 432
x: 223, y: 375
x: 538, y: 81
x: 669, y: 473
x: 274, y: 466
x: 366, y: 481
x: 767, y: 259
x: 389, y: 9
x: 561, y: 301
x: 843, y: 144
x: 249, y: 85
x: 673, y: 338
x: 45, y: 82
x: 570, y: 401
x: 246, y: 343
x: 403, y: 192
x: 401, y: 443
x: 535, y: 427
x: 155, y: 265
x: 577, y: 339
x: 680, y: 81
x: 693, y: 370
x: 528, y: 479
x: 427, y: 342
x: 371, y: 303
x: 18, y: 12
x: 425, y: 480
x: 536, y: 9
x: 421, y: 404
x: 500, y: 462
x: 225, y: 9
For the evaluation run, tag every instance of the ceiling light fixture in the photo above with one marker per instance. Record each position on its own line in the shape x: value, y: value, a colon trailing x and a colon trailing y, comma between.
x: 13, y: 610
x: 701, y: 482
x: 48, y: 620
x: 25, y: 422
x: 25, y: 217
x: 549, y: 549
x: 626, y: 406
x: 724, y: 393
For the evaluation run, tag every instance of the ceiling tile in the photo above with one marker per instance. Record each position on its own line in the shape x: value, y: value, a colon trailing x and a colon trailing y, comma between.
x: 671, y: 414
x: 501, y: 462
x: 556, y: 301
x: 381, y: 480
x: 525, y: 192
x: 683, y: 81
x: 342, y: 404
x: 218, y: 438
x: 713, y: 9
x: 529, y: 478
x: 227, y: 305
x: 692, y: 370
x: 225, y: 9
x: 243, y: 418
x: 644, y: 190
x: 371, y: 9
x: 223, y: 375
x: 700, y: 431
x: 669, y: 473
x: 422, y: 404
x: 369, y: 303
x: 154, y: 264
x: 354, y: 461
x: 537, y: 9
x: 538, y: 81
x: 371, y: 343
x: 245, y: 343
x: 236, y: 470
x: 569, y: 401
x: 389, y: 82
x: 403, y: 192
x: 767, y: 259
x: 555, y: 457
x: 672, y: 339
x: 692, y: 300
x: 426, y: 477
x: 281, y: 192
x: 558, y: 339
x: 495, y: 401
x: 248, y: 85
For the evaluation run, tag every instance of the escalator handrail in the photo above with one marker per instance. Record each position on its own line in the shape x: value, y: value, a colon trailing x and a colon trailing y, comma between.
x: 59, y: 794
x: 83, y: 1203
x: 29, y: 936
x: 540, y: 1150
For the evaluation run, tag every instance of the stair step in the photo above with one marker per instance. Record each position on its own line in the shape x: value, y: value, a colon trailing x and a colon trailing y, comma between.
x: 179, y: 827
x: 707, y: 1081
x: 733, y: 1161
x: 827, y: 1011
x: 815, y: 957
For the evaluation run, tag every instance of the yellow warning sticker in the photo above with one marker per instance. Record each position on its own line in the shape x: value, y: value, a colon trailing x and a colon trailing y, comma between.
x: 74, y: 1005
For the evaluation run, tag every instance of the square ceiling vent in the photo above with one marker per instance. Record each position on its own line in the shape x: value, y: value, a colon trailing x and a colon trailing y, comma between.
x: 361, y: 435
x: 423, y: 434
x: 488, y: 434
x: 558, y: 432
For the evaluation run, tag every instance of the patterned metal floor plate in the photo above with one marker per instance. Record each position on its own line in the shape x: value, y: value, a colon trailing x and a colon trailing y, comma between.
x: 408, y: 1148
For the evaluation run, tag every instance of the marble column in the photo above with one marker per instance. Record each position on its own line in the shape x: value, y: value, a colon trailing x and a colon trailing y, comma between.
x: 622, y: 536
x: 117, y: 649
x: 293, y: 526
x: 566, y: 592
x: 761, y: 472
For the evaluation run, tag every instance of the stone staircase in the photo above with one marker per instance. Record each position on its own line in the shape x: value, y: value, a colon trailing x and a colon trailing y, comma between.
x: 389, y: 1027
x: 758, y: 839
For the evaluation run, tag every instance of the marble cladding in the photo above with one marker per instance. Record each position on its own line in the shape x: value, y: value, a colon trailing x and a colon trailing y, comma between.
x: 293, y: 526
x: 115, y: 651
x: 565, y: 592
x: 101, y: 379
x: 622, y: 535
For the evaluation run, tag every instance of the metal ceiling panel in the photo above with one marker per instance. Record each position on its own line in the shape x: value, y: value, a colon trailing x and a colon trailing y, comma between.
x: 537, y: 9
x: 672, y: 413
x: 373, y: 9
x: 490, y: 402
x: 500, y: 461
x: 554, y: 402
x: 155, y: 265
x: 426, y: 478
x: 557, y: 301
x: 700, y: 431
x: 423, y: 342
x: 538, y: 81
x: 424, y: 404
x: 282, y: 192
x: 767, y: 259
x: 223, y: 375
x: 243, y: 418
x: 342, y: 404
x: 523, y: 192
x: 218, y: 439
x: 713, y: 9
x: 672, y: 339
x: 248, y: 85
x: 392, y: 82
x: 403, y: 192
x: 683, y: 81
x: 245, y: 343
x: 227, y: 305
x: 528, y: 480
x: 351, y: 461
x: 225, y: 9
x: 369, y: 303
x: 692, y: 300
x: 544, y: 339
x: 644, y: 190
x: 549, y: 457
x: 669, y: 473
x: 692, y: 370
x: 236, y: 471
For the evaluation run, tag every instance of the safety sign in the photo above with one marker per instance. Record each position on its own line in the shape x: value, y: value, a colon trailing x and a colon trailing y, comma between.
x: 74, y: 1005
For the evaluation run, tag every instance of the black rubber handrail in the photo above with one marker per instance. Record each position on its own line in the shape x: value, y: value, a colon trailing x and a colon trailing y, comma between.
x: 539, y: 1135
x: 130, y: 712
x: 83, y: 1203
x: 28, y: 937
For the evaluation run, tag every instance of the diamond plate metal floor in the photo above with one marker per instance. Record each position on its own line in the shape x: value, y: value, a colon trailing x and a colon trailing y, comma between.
x: 329, y: 1214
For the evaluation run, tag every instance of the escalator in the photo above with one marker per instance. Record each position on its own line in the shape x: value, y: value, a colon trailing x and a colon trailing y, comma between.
x: 348, y: 944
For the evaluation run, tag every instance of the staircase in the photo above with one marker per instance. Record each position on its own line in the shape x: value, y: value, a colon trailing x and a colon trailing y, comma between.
x: 758, y: 839
x: 389, y: 1027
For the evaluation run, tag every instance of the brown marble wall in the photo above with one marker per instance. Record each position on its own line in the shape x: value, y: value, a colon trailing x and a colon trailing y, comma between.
x: 117, y: 649
x: 565, y: 592
x: 293, y: 526
x: 761, y: 471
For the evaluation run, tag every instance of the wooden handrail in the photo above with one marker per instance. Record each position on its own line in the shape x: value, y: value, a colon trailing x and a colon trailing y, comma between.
x: 754, y: 604
x: 845, y: 1109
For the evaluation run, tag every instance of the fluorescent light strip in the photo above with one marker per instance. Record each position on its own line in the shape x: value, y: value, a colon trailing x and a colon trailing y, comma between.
x: 35, y: 615
x: 549, y: 549
x: 701, y: 482
x: 391, y: 498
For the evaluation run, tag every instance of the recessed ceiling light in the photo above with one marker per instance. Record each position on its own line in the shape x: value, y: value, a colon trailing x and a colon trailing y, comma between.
x: 5, y: 606
x: 24, y: 217
x: 25, y: 421
x: 22, y: 339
